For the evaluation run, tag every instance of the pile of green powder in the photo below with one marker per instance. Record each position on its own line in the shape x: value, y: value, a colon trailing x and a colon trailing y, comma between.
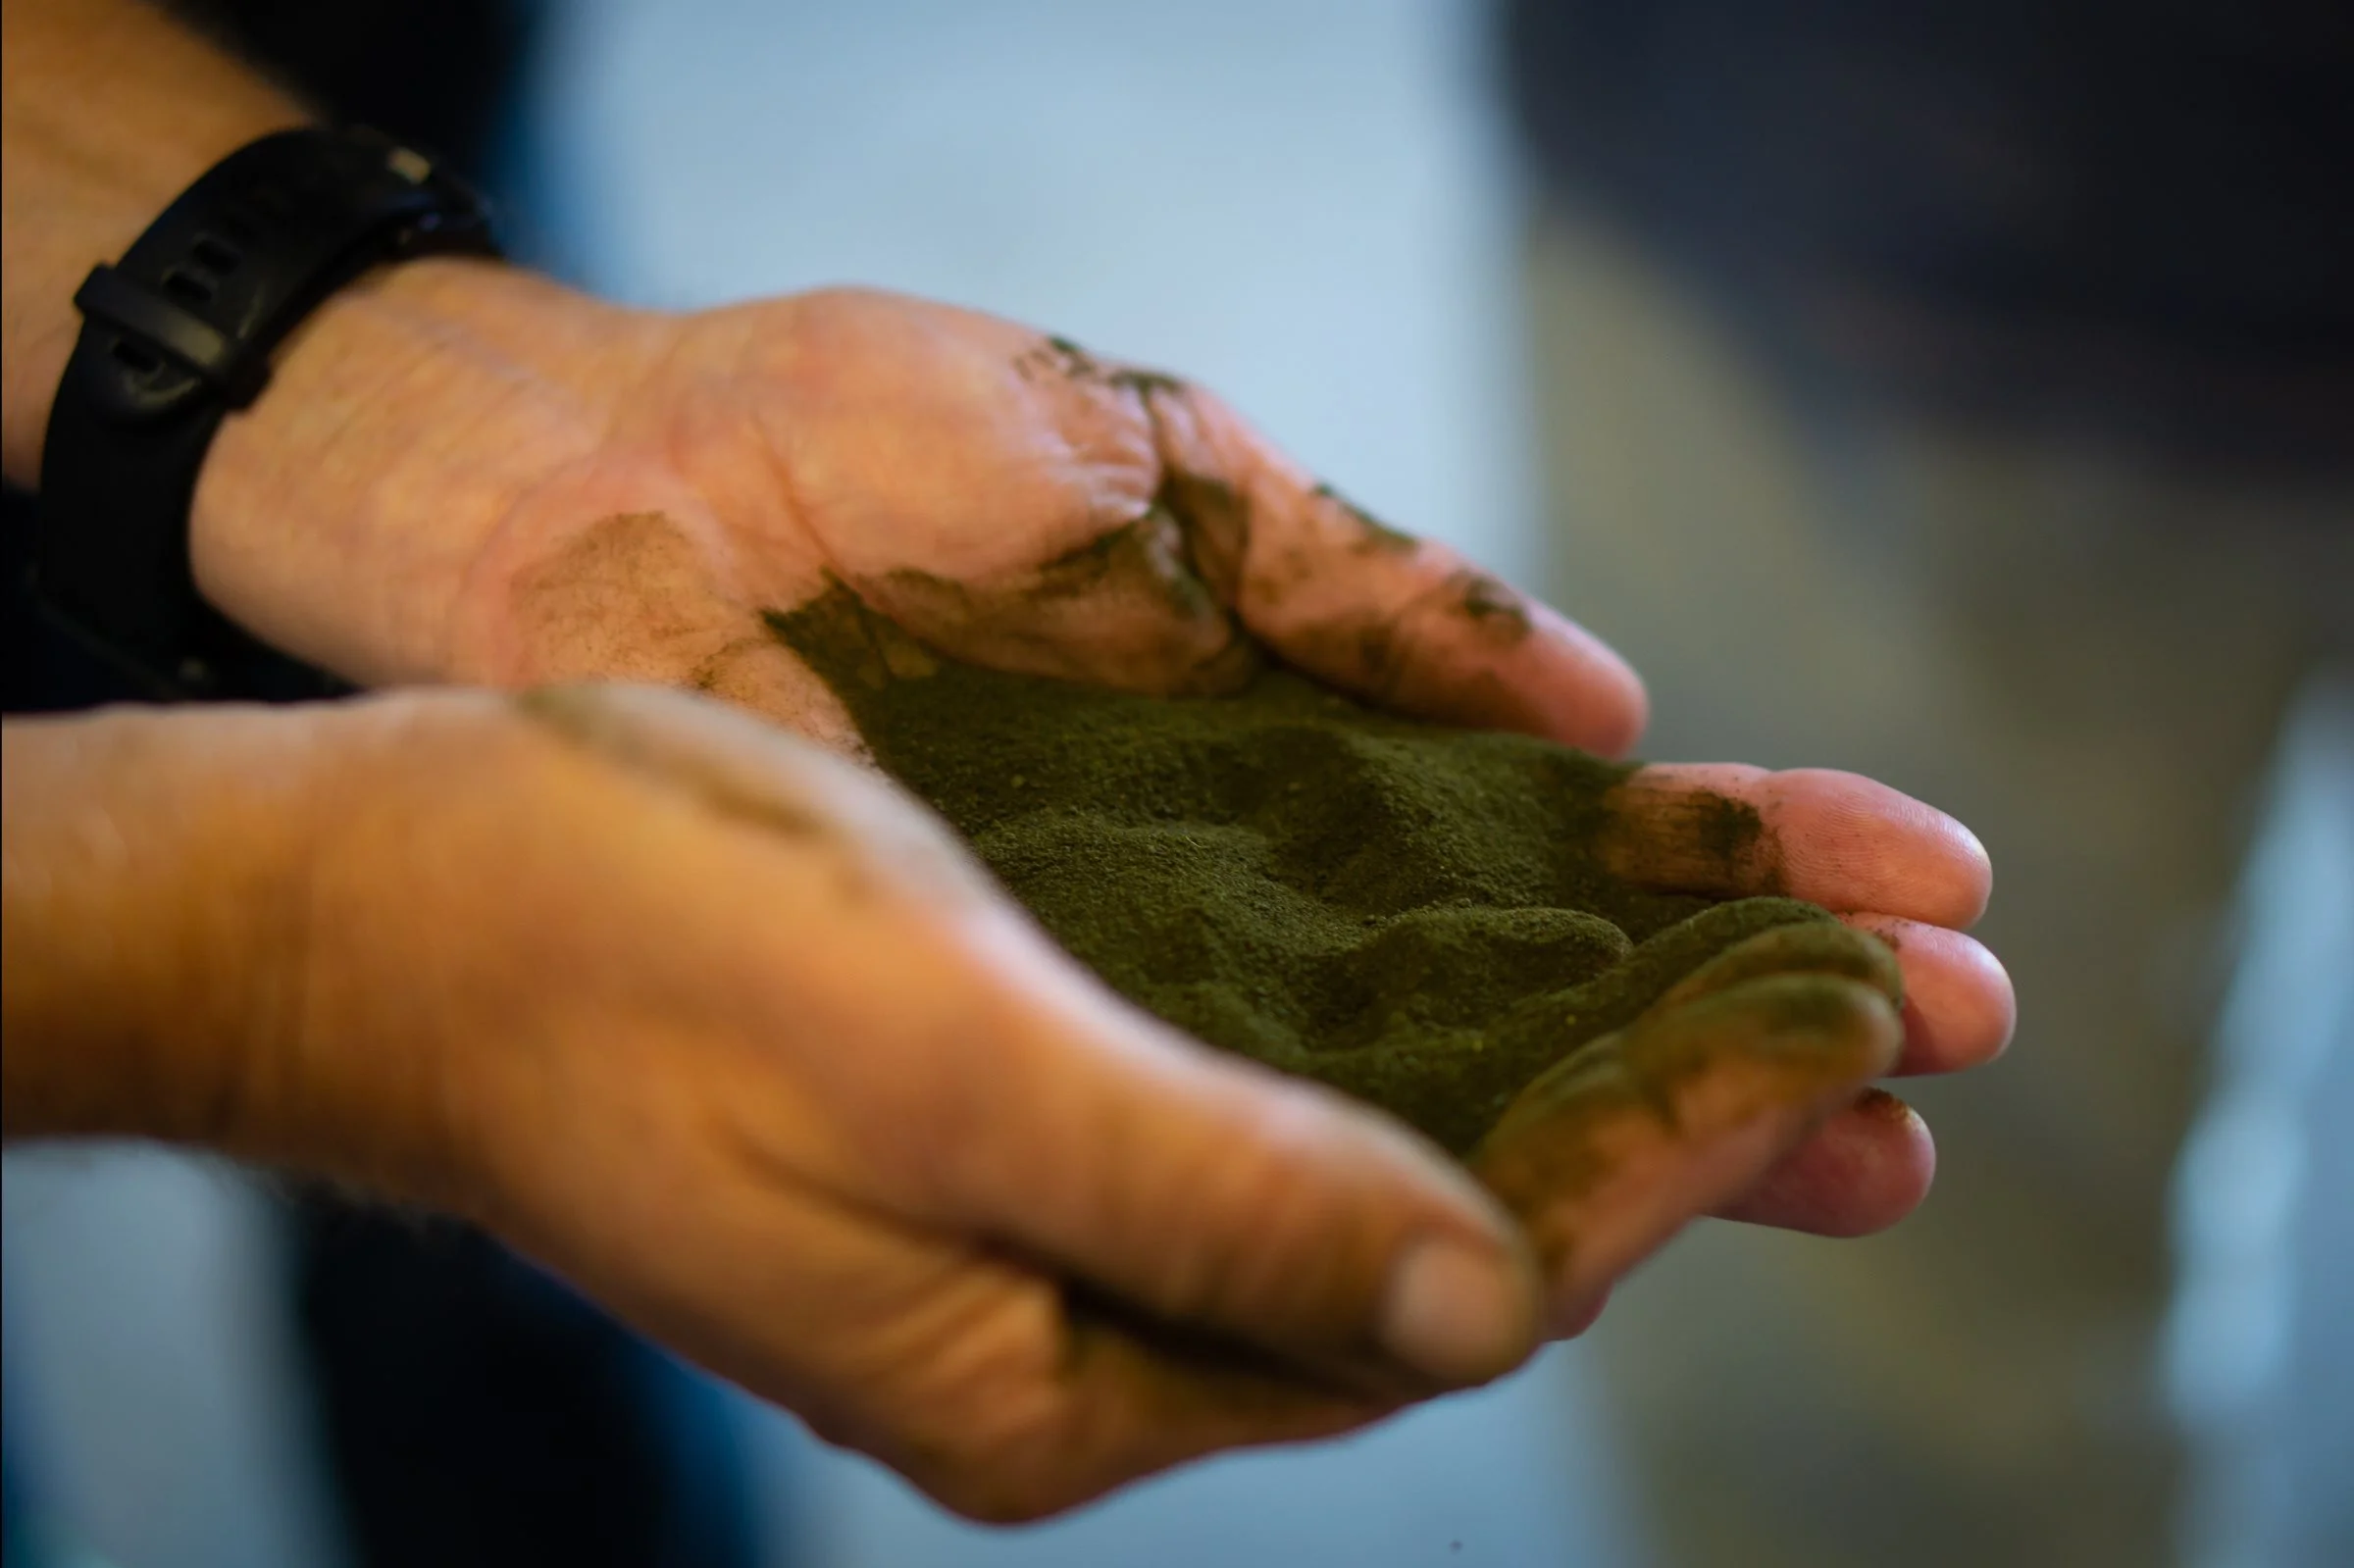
x: 1417, y: 914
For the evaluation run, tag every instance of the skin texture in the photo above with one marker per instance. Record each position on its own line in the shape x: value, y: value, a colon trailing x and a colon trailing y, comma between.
x: 706, y: 1016
x: 744, y: 1043
x: 1056, y: 523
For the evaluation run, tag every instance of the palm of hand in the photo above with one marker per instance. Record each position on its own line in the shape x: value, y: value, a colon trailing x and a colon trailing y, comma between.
x: 1010, y: 500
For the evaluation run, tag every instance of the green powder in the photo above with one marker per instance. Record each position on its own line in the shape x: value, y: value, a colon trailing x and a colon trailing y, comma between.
x: 1417, y: 914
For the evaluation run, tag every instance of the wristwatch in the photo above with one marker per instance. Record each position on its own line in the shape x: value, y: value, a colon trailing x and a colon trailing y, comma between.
x: 178, y: 335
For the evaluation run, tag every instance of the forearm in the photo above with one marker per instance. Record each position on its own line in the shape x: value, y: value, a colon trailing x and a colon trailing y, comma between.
x: 109, y: 110
x: 190, y: 958
x: 147, y: 880
x: 337, y: 514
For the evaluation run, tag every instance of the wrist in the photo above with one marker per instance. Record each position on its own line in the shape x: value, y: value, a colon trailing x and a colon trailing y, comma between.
x: 202, y: 917
x: 148, y: 875
x: 337, y: 518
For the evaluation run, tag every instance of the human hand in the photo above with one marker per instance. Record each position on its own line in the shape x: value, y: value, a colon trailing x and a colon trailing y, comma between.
x: 628, y: 495
x: 739, y: 1039
x: 601, y: 493
x: 465, y: 473
x: 1735, y: 1092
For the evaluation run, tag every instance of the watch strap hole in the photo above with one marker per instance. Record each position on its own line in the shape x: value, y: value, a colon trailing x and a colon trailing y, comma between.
x: 216, y: 255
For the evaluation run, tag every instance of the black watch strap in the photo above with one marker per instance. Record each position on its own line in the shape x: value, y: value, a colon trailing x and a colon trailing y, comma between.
x: 175, y: 337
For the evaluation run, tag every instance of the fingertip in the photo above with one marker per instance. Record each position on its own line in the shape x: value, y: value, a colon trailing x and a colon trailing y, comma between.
x: 1457, y: 1311
x: 1969, y: 869
x: 1572, y: 1317
x: 1464, y: 649
x: 1960, y: 1009
x: 1979, y: 865
x: 1868, y: 1166
x: 1594, y: 699
x: 1853, y: 843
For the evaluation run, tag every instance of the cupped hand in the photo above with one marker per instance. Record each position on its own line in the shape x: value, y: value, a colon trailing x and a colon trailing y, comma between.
x: 739, y: 1038
x: 666, y: 482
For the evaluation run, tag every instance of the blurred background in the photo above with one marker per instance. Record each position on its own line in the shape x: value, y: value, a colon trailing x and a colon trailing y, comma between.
x: 1961, y: 394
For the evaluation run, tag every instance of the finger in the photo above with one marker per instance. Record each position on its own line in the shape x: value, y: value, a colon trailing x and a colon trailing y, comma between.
x: 1039, y: 1109
x: 1608, y: 1155
x: 1569, y: 1319
x: 1398, y: 620
x: 1110, y: 1402
x: 1066, y: 1245
x: 1957, y: 1001
x: 1811, y: 947
x: 1209, y: 1193
x: 1868, y: 1166
x: 1726, y: 830
x: 1001, y: 1391
x: 1040, y: 1396
x: 1959, y: 1009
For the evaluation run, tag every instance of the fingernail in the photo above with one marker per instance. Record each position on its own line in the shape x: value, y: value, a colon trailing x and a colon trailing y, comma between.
x: 1457, y: 1311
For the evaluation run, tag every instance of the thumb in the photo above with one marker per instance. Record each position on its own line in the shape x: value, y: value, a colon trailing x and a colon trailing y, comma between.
x: 1015, y: 1099
x: 1615, y: 1149
x: 1221, y: 1197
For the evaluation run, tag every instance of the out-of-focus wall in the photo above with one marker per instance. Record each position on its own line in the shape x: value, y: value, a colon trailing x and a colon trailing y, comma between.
x: 1307, y: 204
